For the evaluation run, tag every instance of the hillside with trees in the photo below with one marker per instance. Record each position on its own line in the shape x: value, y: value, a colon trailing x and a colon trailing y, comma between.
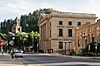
x: 28, y: 22
x: 29, y: 37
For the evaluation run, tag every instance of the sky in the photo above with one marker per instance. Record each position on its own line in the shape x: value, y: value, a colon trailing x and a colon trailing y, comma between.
x: 15, y: 8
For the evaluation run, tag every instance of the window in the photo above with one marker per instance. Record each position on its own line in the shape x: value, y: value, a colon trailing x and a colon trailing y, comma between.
x: 92, y: 38
x: 78, y: 42
x: 50, y: 24
x: 50, y: 32
x: 60, y: 22
x: 60, y: 45
x: 60, y: 32
x: 79, y: 23
x: 18, y: 29
x: 92, y: 35
x: 69, y: 32
x: 70, y: 23
x: 14, y: 28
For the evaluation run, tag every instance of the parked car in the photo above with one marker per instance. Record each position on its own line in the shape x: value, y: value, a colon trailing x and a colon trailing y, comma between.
x: 19, y: 54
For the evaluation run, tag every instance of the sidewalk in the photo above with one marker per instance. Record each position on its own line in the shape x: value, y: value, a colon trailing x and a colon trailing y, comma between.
x: 4, y: 53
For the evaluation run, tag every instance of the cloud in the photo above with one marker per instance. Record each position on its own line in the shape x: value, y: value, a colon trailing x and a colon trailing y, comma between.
x: 94, y: 6
x: 13, y: 8
x: 92, y: 2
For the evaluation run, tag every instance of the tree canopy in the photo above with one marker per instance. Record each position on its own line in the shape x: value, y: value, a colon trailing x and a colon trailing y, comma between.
x: 28, y: 22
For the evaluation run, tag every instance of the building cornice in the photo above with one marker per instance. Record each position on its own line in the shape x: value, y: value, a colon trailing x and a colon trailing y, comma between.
x: 68, y: 15
x: 76, y: 17
x: 63, y: 16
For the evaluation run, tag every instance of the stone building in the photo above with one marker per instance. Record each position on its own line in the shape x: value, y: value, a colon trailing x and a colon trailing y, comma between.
x: 87, y: 34
x: 57, y: 27
x: 16, y: 27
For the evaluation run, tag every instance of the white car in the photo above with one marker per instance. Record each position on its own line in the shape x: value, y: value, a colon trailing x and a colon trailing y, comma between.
x: 18, y: 54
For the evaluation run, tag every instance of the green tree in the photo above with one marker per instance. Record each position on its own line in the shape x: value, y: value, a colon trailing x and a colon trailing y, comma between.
x: 29, y: 22
x: 20, y: 39
x: 34, y: 39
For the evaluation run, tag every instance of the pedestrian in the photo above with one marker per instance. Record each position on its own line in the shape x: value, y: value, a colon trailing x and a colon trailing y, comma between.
x: 12, y: 55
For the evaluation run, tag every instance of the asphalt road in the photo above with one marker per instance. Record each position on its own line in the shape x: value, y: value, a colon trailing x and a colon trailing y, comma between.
x: 45, y: 60
x: 6, y: 59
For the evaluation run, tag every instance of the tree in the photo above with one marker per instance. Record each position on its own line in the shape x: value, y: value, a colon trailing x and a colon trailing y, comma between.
x: 28, y: 22
x: 27, y: 39
x: 20, y: 39
x: 34, y: 39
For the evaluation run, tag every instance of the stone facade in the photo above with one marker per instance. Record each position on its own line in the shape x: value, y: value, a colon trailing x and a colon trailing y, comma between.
x: 51, y: 24
x: 86, y: 34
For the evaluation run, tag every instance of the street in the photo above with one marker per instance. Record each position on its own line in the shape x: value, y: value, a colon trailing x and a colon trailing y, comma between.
x: 6, y: 60
x: 47, y: 60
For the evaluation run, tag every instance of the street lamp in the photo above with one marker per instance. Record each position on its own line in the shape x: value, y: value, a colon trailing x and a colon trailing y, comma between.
x: 84, y: 40
x: 88, y: 38
x: 69, y: 42
x: 65, y: 46
x: 13, y: 38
